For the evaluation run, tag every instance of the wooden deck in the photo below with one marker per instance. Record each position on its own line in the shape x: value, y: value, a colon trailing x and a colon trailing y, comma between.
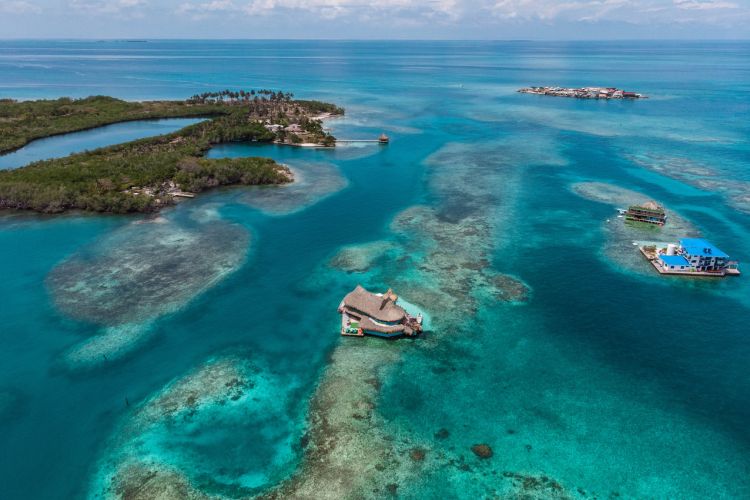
x: 361, y: 140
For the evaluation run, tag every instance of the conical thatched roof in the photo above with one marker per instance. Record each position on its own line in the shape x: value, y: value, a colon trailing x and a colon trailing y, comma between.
x: 651, y: 205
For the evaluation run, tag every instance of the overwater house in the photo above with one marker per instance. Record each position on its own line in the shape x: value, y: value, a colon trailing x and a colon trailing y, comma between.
x: 702, y: 255
x: 693, y: 256
x: 366, y: 313
x: 650, y: 213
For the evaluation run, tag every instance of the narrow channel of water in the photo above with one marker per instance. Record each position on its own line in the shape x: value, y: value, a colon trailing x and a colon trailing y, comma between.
x: 75, y: 142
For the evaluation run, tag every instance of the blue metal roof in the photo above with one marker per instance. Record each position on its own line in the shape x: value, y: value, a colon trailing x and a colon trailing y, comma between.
x: 701, y: 247
x: 674, y: 260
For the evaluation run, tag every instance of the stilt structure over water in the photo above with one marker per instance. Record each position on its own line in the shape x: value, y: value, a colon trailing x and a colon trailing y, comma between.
x: 649, y: 213
x: 367, y: 313
x: 691, y: 257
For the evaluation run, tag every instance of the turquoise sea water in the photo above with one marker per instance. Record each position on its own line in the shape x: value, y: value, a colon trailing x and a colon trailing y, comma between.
x: 609, y: 379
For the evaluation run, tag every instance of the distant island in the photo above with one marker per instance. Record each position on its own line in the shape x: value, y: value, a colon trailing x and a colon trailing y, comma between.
x: 147, y: 174
x: 583, y: 92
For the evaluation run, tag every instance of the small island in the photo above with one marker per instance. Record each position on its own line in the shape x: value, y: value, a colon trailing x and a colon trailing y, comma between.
x: 147, y: 174
x: 583, y: 92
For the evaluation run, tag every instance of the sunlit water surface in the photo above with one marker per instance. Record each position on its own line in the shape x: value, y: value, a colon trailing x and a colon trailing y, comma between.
x: 600, y: 374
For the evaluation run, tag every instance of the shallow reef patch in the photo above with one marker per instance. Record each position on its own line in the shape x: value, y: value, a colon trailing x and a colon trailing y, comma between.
x: 149, y: 480
x: 706, y: 178
x: 138, y: 273
x: 360, y: 258
x: 618, y: 247
x: 350, y: 455
x: 110, y: 344
x: 313, y: 182
x: 186, y: 441
x: 145, y: 270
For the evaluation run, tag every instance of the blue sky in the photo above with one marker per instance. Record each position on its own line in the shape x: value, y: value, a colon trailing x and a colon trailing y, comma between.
x: 379, y: 19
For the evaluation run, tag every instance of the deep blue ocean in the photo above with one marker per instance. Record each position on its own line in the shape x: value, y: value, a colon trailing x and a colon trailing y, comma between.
x: 610, y: 379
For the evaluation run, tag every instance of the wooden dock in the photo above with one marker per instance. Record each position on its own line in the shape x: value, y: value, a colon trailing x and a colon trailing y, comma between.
x: 360, y: 140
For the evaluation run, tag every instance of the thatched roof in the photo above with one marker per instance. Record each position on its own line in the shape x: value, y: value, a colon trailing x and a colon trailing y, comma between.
x: 651, y: 205
x: 380, y: 307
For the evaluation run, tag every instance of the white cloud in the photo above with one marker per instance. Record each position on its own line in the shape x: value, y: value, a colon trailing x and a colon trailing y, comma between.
x: 324, y: 8
x: 629, y: 11
x: 549, y: 10
x: 479, y: 12
x: 704, y: 4
x: 130, y: 8
x: 19, y: 7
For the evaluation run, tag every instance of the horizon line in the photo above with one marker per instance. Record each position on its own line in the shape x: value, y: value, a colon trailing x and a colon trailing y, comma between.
x: 148, y: 39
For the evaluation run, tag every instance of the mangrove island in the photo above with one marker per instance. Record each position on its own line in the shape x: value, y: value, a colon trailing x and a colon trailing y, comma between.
x: 147, y: 174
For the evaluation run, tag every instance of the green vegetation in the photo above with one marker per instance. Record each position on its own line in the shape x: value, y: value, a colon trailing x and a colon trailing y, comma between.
x: 145, y: 175
x: 196, y: 175
x: 318, y: 107
x: 264, y: 95
x: 22, y: 122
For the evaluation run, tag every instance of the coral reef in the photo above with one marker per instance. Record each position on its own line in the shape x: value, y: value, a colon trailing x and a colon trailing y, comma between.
x: 183, y: 442
x: 142, y: 271
x: 313, y: 182
x: 536, y: 487
x: 146, y: 481
x: 360, y: 258
x: 440, y: 259
x: 137, y: 274
x: 708, y: 179
x: 347, y: 456
x: 618, y: 246
x: 482, y: 450
x: 111, y: 343
x: 452, y: 269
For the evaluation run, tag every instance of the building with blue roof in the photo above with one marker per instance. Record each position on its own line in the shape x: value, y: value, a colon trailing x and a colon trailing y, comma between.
x: 703, y: 255
x: 691, y: 257
x: 699, y: 246
x: 677, y: 262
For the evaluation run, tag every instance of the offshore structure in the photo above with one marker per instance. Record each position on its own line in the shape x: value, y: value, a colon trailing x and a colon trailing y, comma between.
x: 649, y: 213
x: 691, y: 257
x: 366, y: 313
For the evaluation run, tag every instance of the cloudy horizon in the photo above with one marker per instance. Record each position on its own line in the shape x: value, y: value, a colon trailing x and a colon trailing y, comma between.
x: 384, y: 19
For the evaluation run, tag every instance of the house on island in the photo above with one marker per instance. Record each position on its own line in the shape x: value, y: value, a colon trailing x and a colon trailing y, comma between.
x: 692, y: 257
x: 367, y: 313
x: 273, y: 127
x: 649, y: 212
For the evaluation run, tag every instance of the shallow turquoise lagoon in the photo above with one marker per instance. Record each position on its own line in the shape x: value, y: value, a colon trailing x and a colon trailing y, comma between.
x: 54, y: 147
x: 605, y: 378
